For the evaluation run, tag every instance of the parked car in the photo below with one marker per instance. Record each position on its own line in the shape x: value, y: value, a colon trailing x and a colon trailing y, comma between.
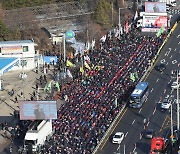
x: 165, y: 104
x: 118, y: 137
x: 149, y: 133
x: 160, y: 67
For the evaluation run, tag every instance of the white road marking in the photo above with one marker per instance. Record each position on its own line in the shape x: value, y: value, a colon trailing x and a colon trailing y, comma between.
x: 140, y: 110
x: 157, y: 80
x: 119, y: 147
x: 167, y: 53
x: 171, y: 91
x: 167, y: 63
x: 170, y: 56
x: 154, y: 110
x: 163, y: 61
x: 152, y: 90
x: 133, y: 121
x: 148, y: 123
x: 174, y: 61
x: 126, y: 134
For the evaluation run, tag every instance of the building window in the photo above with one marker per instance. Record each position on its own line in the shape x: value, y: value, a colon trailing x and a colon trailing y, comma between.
x: 25, y: 48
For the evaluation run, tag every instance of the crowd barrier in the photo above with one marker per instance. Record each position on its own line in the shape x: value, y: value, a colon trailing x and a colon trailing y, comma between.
x: 107, y: 134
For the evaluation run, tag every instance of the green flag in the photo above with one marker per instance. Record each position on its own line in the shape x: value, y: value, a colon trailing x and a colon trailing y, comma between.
x: 132, y: 77
x: 160, y: 31
x: 136, y: 75
x: 57, y: 86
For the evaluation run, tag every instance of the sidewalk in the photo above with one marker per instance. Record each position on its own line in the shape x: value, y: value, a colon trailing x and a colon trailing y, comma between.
x: 11, y: 81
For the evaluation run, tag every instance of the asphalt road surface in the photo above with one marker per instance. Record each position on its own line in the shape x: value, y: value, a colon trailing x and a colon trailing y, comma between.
x: 131, y: 121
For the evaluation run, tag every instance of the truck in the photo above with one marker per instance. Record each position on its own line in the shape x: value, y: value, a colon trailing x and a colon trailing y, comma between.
x: 169, y: 2
x: 37, y: 134
x: 158, y: 145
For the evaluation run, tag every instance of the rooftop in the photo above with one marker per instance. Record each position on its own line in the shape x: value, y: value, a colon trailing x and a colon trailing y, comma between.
x: 16, y: 42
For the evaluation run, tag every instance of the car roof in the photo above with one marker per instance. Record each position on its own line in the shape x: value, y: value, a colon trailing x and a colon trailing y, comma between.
x: 149, y: 130
x: 119, y: 133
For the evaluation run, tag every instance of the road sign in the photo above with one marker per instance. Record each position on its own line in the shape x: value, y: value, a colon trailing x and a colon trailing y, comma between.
x: 69, y: 34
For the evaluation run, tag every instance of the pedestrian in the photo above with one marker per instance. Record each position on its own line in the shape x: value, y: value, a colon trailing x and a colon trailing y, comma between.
x: 16, y: 99
x: 21, y: 94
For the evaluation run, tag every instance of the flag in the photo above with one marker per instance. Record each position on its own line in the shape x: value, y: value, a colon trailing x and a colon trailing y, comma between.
x: 160, y: 31
x: 81, y: 70
x: 48, y: 87
x: 86, y: 65
x: 136, y: 15
x: 127, y: 28
x: 57, y: 86
x: 136, y: 75
x: 115, y: 102
x: 132, y: 77
x: 68, y: 63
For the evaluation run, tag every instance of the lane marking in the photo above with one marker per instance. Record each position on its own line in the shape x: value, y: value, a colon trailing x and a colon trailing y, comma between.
x: 152, y: 90
x: 154, y: 110
x: 126, y: 134
x: 119, y: 147
x: 170, y: 56
x: 148, y: 123
x: 140, y: 110
x: 157, y: 80
x: 133, y: 121
x: 167, y: 63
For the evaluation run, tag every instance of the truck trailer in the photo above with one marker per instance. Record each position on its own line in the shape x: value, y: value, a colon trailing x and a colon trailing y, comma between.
x: 37, y: 134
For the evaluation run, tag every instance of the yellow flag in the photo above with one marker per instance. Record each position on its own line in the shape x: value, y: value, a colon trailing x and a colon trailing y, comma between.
x: 68, y: 63
x: 86, y: 65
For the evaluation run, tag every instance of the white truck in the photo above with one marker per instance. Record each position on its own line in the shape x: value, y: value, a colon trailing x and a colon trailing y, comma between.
x: 37, y: 134
x: 169, y: 2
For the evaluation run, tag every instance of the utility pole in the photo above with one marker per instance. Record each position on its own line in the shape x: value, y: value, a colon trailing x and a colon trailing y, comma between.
x: 178, y: 102
x: 112, y: 12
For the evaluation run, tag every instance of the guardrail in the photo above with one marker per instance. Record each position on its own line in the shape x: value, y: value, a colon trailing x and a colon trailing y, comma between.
x: 106, y: 135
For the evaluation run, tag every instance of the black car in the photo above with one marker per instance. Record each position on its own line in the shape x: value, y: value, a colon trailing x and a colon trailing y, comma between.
x: 160, y: 67
x: 149, y: 133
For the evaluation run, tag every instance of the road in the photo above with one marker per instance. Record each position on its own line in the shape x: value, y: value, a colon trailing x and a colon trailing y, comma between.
x: 131, y: 121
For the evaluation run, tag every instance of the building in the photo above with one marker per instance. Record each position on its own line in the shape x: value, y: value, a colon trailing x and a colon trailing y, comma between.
x: 23, y: 50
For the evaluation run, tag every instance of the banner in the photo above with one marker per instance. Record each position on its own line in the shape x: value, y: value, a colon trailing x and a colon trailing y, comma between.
x: 155, y: 7
x: 37, y: 110
x: 154, y: 23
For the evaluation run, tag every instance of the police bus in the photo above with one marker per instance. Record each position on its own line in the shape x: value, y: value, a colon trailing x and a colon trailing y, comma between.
x: 139, y: 95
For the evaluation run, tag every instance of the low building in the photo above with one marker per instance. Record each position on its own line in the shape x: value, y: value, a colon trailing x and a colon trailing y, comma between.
x: 24, y: 50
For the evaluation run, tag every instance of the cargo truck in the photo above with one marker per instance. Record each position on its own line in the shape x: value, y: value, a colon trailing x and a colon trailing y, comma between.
x: 37, y: 134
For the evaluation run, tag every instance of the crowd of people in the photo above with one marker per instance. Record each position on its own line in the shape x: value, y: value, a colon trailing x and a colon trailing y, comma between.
x: 93, y: 100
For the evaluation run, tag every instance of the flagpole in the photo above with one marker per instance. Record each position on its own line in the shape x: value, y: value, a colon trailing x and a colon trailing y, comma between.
x: 64, y: 45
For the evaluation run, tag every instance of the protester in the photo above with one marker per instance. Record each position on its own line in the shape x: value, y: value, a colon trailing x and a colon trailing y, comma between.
x: 92, y: 101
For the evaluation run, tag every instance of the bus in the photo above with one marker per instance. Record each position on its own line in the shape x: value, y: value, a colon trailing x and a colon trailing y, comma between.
x: 139, y: 95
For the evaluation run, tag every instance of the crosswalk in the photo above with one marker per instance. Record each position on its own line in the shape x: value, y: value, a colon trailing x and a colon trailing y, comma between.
x: 173, y: 11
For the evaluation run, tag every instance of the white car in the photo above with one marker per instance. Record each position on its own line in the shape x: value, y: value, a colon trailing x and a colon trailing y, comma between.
x: 174, y: 85
x: 118, y: 137
x: 165, y: 104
